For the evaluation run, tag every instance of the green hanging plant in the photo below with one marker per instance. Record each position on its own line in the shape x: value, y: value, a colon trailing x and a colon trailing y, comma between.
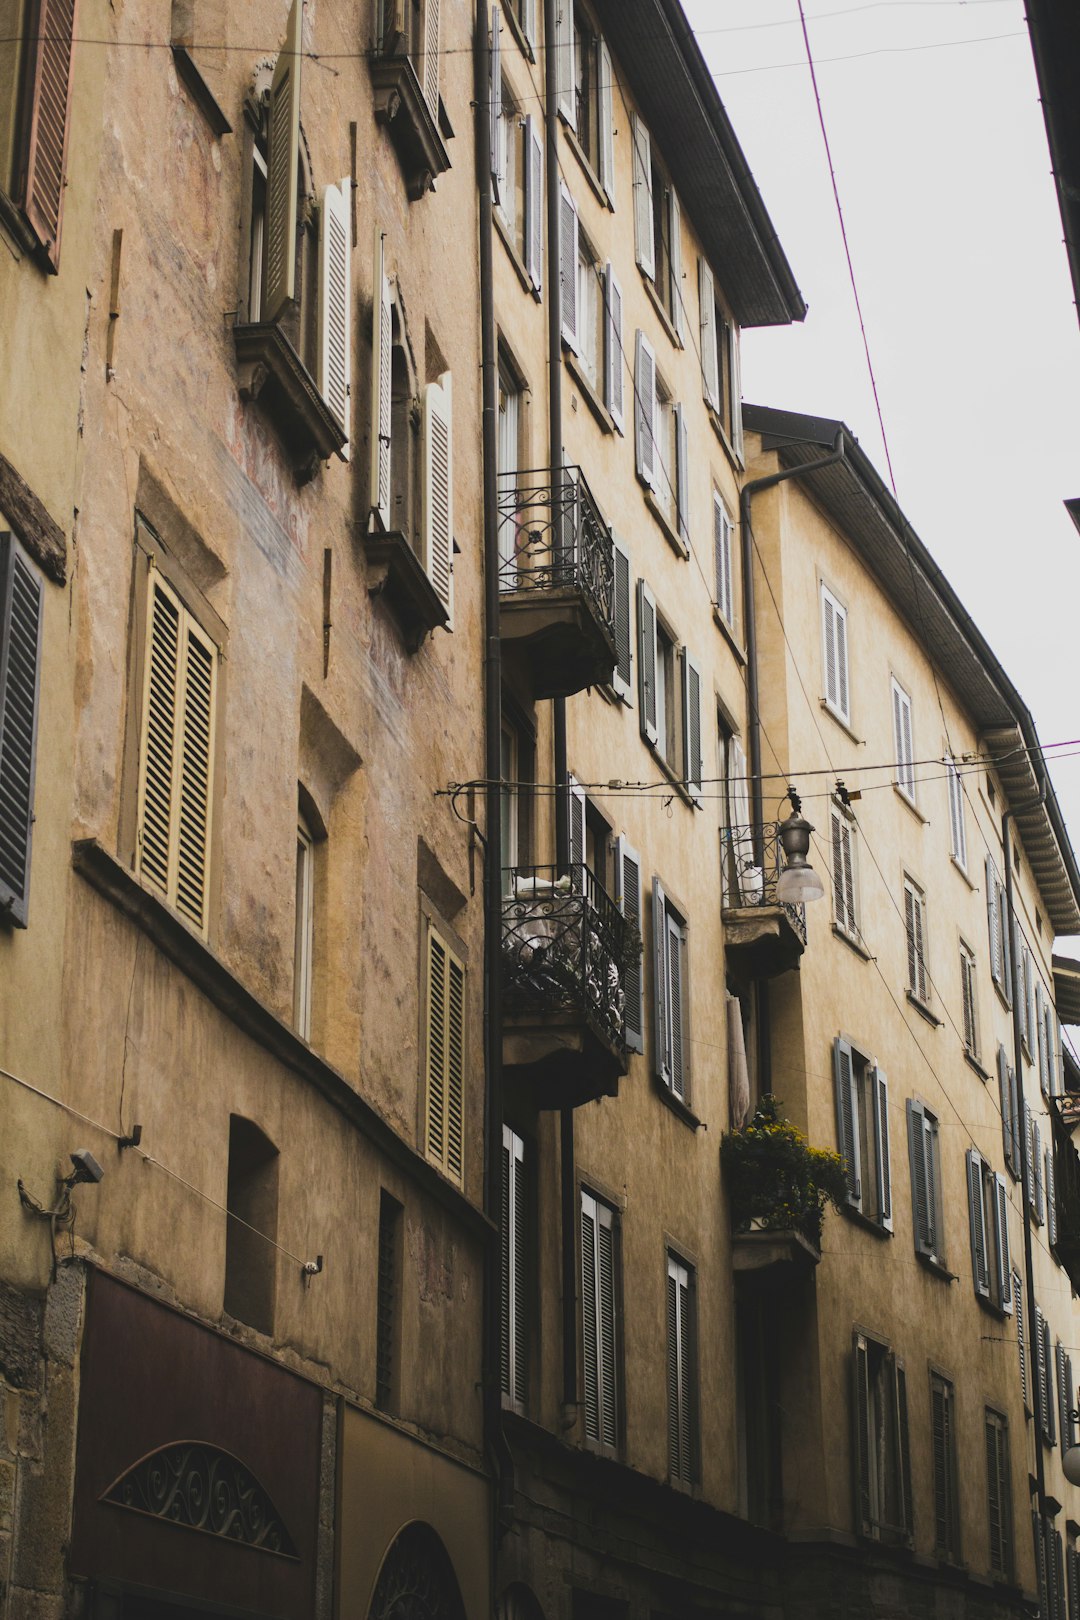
x: 778, y: 1182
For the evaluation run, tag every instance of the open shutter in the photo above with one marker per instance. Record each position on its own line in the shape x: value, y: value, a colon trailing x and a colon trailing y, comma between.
x: 861, y: 1425
x: 647, y: 654
x: 605, y: 1270
x: 1008, y: 1129
x: 847, y: 1119
x: 622, y: 675
x: 1037, y: 1171
x: 1062, y: 1394
x: 568, y: 266
x: 645, y: 410
x: 880, y: 1087
x: 1040, y: 1038
x: 606, y: 110
x: 1048, y: 1386
x: 1001, y: 1244
x: 1026, y: 1125
x: 613, y: 348
x: 381, y: 341
x: 534, y: 201
x: 643, y: 200
x: 158, y: 746
x: 335, y: 302
x: 980, y: 1270
x: 40, y: 184
x: 438, y: 492
x: 1068, y: 1433
x: 21, y: 603
x: 678, y: 297
x: 676, y: 972
x: 564, y: 61
x: 431, y: 57
x: 682, y: 475
x: 576, y: 795
x: 1039, y: 1342
x: 993, y: 921
x: 445, y: 1112
x: 736, y: 394
x: 661, y: 994
x: 921, y: 1206
x: 1051, y: 1200
x: 283, y: 168
x: 710, y: 371
x: 903, y: 1448
x: 628, y: 900
x: 1021, y: 1340
x: 497, y: 155
x: 196, y: 696
x: 691, y: 670
x: 725, y: 596
x: 590, y: 1342
x: 528, y: 20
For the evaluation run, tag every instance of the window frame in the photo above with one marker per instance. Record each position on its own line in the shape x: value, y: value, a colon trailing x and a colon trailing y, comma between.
x: 882, y: 1469
x: 991, y: 1263
x: 927, y: 1201
x: 863, y: 1133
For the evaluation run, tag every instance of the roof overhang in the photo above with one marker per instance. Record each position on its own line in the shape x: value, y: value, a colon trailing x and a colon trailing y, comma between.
x: 1055, y: 44
x: 671, y: 82
x: 854, y: 496
x: 1067, y: 988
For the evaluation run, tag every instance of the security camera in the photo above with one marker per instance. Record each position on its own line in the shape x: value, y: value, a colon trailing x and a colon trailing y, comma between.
x: 86, y: 1167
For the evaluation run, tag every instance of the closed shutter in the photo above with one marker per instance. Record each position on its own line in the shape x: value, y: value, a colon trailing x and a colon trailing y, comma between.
x: 680, y: 1370
x: 1027, y: 1126
x: 993, y: 920
x: 647, y: 655
x: 564, y: 61
x: 1040, y: 1036
x: 736, y: 393
x: 682, y: 475
x: 1062, y: 1394
x: 661, y: 990
x: 495, y: 124
x: 1040, y: 1369
x: 515, y: 1254
x: 576, y: 794
x: 905, y: 776
x: 1037, y: 1172
x: 834, y: 643
x: 628, y: 900
x: 967, y: 994
x: 1008, y: 1123
x: 439, y: 492
x: 843, y: 874
x: 1003, y: 1280
x: 613, y: 348
x: 946, y: 1502
x: 1049, y: 1425
x: 997, y: 1494
x: 725, y: 598
x: 1021, y: 1339
x: 506, y: 1308
x: 645, y: 410
x: 42, y: 179
x: 622, y: 675
x: 335, y: 300
x: 606, y: 92
x: 431, y: 57
x: 196, y: 694
x: 678, y: 302
x: 605, y: 1267
x: 283, y: 166
x: 1051, y: 1200
x: 21, y: 603
x: 847, y: 1119
x: 445, y: 1057
x: 534, y: 201
x: 589, y: 1319
x: 381, y: 341
x: 956, y: 813
x: 1006, y: 944
x: 1072, y: 1561
x: 692, y: 723
x: 643, y: 197
x: 568, y: 266
x: 710, y: 371
x: 922, y: 1205
x: 883, y: 1160
x: 1028, y: 991
x: 676, y: 1007
x: 862, y: 1426
x: 980, y: 1268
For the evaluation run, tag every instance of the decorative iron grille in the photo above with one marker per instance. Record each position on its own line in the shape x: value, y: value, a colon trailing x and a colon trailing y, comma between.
x: 552, y: 537
x: 750, y: 882
x: 566, y: 947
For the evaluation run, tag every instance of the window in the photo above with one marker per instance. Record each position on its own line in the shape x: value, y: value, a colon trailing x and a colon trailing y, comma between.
x: 996, y: 914
x: 720, y: 380
x: 251, y: 1227
x: 598, y: 1266
x: 661, y: 442
x: 883, y: 1473
x: 622, y: 683
x: 671, y: 1001
x: 1044, y: 1380
x: 915, y: 930
x: 510, y: 134
x: 835, y: 655
x: 845, y: 910
x: 21, y: 610
x: 388, y: 1304
x: 585, y: 90
x: 305, y: 927
x: 518, y: 753
x: 1050, y: 1568
x: 444, y: 1030
x: 524, y: 14
x: 988, y: 1220
x: 957, y: 827
x: 37, y: 46
x: 681, y: 1371
x: 862, y: 1126
x: 176, y: 754
x: 969, y: 996
x: 629, y: 901
x: 1066, y: 1397
x: 591, y: 313
x: 410, y: 28
x: 943, y: 1444
x: 722, y: 561
x: 999, y: 1494
x: 658, y: 227
x: 669, y: 683
x: 927, y: 1210
x: 515, y: 1250
x: 902, y: 743
x: 508, y: 455
x: 1009, y: 1097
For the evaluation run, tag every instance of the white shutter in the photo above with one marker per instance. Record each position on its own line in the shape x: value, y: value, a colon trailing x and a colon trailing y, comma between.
x: 993, y: 920
x: 643, y: 202
x: 564, y: 61
x: 613, y: 348
x: 956, y: 813
x: 682, y: 474
x: 497, y: 155
x: 722, y: 531
x: 439, y: 491
x: 1037, y: 1171
x: 335, y: 304
x: 680, y: 1371
x: 1051, y: 1200
x: 905, y: 773
x: 606, y: 109
x: 883, y: 1166
x: 534, y: 201
x: 381, y: 342
x: 692, y: 723
x: 622, y: 675
x: 1040, y: 1037
x: 843, y: 873
x: 661, y: 986
x: 431, y: 57
x: 645, y: 410
x: 576, y: 794
x: 710, y: 370
x: 847, y: 1119
x: 568, y: 266
x: 834, y: 646
x: 528, y: 20
x: 628, y: 900
x: 283, y: 167
x: 21, y: 615
x: 647, y: 656
x: 678, y: 297
x: 736, y: 393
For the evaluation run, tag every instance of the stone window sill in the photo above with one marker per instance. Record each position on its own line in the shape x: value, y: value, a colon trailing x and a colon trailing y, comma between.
x: 401, y: 107
x: 271, y: 371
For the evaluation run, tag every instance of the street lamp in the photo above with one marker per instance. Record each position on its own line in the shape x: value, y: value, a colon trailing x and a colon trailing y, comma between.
x: 798, y: 882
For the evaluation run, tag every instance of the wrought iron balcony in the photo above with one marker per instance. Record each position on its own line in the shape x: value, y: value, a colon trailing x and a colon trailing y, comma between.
x: 1065, y: 1115
x: 567, y: 952
x: 556, y: 581
x: 766, y: 934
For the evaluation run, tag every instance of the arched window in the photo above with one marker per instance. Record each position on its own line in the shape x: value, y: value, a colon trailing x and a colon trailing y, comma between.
x: 417, y: 1580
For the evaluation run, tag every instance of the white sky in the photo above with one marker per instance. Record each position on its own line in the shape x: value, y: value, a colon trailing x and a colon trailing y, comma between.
x: 944, y: 175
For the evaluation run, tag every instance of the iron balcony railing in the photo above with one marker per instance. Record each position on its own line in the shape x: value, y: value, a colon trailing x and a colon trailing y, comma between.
x: 566, y: 947
x: 552, y: 538
x: 749, y: 881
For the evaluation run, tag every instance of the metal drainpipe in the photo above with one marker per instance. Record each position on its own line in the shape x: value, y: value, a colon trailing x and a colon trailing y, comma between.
x: 757, y: 817
x: 1026, y: 1168
x: 502, y: 1461
x: 558, y: 706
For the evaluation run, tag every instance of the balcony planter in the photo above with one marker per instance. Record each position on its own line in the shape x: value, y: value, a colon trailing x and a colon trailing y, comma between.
x: 778, y: 1185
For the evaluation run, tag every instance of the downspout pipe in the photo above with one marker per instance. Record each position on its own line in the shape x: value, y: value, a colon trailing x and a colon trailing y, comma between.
x: 499, y: 1455
x: 553, y: 293
x: 1027, y: 1169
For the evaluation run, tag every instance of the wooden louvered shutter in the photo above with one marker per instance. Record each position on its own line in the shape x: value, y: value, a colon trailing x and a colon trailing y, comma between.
x: 682, y: 475
x: 956, y: 813
x: 495, y: 123
x: 1037, y: 1172
x: 922, y: 1212
x: 42, y: 177
x: 605, y: 1269
x: 680, y: 1370
x: 847, y: 1119
x: 445, y: 1057
x: 534, y: 201
x: 1049, y: 1424
x: 980, y: 1269
x: 997, y: 1493
x: 506, y: 1307
x: 677, y: 1036
x: 1040, y: 1037
x: 661, y: 993
x: 158, y: 749
x: 940, y: 1433
x: 628, y: 900
x: 196, y: 695
x: 1028, y: 1125
x: 528, y: 20
x: 736, y: 392
x: 678, y: 303
x: 725, y: 598
x: 622, y: 674
x: 381, y: 373
x: 1039, y: 1367
x: 883, y: 1161
x: 692, y: 724
x: 674, y: 1381
x: 283, y: 168
x: 645, y: 410
x: 335, y: 302
x: 643, y: 197
x: 1008, y: 1133
x: 647, y: 656
x: 1021, y: 1341
x: 21, y: 605
x: 1062, y: 1394
x: 1003, y: 1281
x: 566, y: 95
x: 514, y: 1339
x: 606, y: 106
x: 589, y: 1325
x: 1068, y: 1432
x: 861, y: 1428
x: 710, y: 371
x: 568, y: 266
x: 439, y: 491
x: 1051, y: 1200
x: 993, y: 921
x: 431, y: 57
x: 613, y: 348
x: 576, y: 795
